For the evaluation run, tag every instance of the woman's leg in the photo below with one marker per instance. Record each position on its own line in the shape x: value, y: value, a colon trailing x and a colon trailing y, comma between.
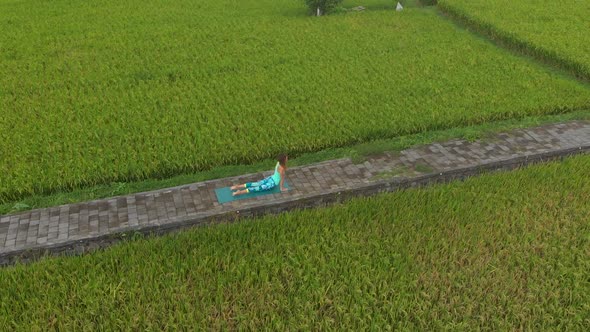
x: 249, y: 184
x: 240, y: 192
x: 238, y: 186
x: 245, y: 187
x: 263, y: 185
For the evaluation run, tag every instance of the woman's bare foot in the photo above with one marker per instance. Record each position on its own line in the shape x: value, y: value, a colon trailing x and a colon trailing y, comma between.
x: 239, y: 192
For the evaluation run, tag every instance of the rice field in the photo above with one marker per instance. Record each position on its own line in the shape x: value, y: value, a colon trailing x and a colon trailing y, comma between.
x: 553, y: 30
x: 505, y: 251
x: 94, y: 92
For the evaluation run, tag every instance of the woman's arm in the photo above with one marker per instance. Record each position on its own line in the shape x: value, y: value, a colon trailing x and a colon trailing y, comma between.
x: 282, y: 172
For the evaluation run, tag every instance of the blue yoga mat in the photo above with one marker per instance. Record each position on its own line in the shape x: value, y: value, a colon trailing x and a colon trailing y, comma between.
x: 224, y: 194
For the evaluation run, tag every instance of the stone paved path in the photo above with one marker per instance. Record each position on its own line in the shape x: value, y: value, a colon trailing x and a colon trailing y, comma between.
x: 161, y: 210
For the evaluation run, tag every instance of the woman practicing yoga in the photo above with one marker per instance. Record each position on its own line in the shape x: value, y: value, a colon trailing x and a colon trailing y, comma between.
x: 277, y: 179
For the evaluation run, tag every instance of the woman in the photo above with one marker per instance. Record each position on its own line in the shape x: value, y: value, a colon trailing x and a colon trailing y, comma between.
x: 278, y: 178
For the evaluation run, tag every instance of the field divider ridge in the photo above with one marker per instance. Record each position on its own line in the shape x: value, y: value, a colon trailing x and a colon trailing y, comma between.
x: 514, y: 43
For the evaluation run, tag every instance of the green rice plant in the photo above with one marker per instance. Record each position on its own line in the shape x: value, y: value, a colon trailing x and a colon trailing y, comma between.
x: 504, y: 251
x: 94, y: 93
x: 554, y: 31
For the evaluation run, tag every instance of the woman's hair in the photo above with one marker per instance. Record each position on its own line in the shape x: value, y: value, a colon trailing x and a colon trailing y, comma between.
x: 282, y: 159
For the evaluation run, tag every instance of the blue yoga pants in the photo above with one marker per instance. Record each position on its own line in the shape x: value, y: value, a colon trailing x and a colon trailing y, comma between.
x: 262, y: 185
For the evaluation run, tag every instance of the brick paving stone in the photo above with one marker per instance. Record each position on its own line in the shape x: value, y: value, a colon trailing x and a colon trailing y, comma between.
x: 63, y: 224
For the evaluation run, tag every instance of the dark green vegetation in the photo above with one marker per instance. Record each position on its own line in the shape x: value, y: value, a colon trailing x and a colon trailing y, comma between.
x: 323, y: 6
x: 554, y: 31
x: 498, y: 252
x: 112, y: 91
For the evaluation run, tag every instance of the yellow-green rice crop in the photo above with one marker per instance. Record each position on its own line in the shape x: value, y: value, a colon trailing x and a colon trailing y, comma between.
x: 502, y: 252
x: 554, y: 30
x: 119, y: 90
